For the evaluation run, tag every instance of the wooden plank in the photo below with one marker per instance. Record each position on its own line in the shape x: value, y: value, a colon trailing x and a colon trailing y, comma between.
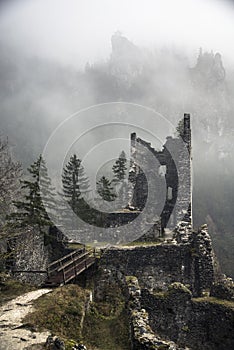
x: 66, y: 256
x: 86, y: 265
x: 77, y: 265
x: 75, y: 259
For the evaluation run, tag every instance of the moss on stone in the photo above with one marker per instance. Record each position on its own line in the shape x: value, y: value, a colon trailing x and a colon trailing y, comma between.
x: 11, y: 288
x: 226, y: 303
x: 131, y: 280
x: 178, y: 287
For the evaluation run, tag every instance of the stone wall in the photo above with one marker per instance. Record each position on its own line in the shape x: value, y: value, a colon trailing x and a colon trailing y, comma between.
x: 31, y: 251
x: 189, y: 261
x: 142, y: 336
x: 200, y: 323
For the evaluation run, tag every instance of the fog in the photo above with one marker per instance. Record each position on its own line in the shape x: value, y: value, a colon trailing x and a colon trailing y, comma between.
x: 74, y: 32
x: 140, y: 52
x: 46, y: 44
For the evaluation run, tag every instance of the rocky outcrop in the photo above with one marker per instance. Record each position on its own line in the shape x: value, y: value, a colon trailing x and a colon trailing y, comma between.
x: 30, y: 252
x: 223, y: 289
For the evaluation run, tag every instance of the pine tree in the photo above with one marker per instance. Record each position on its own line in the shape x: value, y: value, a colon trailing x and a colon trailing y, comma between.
x: 105, y: 189
x: 31, y: 210
x: 119, y: 168
x: 75, y: 184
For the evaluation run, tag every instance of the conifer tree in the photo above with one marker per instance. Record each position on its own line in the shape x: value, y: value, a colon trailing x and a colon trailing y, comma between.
x: 75, y: 184
x: 119, y: 168
x: 31, y: 210
x: 105, y: 189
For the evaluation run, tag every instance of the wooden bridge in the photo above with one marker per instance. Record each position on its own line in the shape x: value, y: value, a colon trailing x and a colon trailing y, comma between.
x: 63, y: 270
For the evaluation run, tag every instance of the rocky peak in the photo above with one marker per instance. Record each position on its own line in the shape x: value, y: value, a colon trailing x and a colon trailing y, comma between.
x: 209, y: 70
x: 126, y: 59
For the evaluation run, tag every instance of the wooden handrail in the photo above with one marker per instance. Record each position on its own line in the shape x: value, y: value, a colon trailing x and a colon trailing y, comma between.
x: 69, y: 266
x: 84, y: 262
x: 71, y: 261
x: 67, y: 256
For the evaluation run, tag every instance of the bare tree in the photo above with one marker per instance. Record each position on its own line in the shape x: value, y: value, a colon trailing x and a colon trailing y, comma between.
x: 10, y: 172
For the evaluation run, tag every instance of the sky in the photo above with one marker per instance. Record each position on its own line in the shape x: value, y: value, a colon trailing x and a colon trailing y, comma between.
x: 76, y: 31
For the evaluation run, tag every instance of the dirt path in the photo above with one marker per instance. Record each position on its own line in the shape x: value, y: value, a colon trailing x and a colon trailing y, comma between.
x: 13, y: 333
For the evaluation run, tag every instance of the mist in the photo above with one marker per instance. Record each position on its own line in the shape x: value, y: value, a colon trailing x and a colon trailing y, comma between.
x: 59, y: 56
x: 77, y: 32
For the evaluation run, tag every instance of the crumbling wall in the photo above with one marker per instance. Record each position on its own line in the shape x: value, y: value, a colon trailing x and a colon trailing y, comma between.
x: 187, y: 259
x: 176, y: 157
x: 141, y: 334
x: 190, y: 322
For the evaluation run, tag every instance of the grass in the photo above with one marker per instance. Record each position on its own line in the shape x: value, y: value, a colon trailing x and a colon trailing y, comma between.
x: 60, y: 312
x: 105, y: 325
x: 10, y: 288
x: 75, y: 246
x: 106, y: 328
x: 138, y: 243
x: 227, y: 303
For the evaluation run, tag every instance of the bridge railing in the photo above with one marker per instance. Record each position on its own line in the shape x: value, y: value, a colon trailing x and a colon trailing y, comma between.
x: 71, y: 265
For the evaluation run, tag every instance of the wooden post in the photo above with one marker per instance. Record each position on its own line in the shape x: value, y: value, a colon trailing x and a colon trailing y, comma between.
x: 74, y: 266
x: 64, y: 279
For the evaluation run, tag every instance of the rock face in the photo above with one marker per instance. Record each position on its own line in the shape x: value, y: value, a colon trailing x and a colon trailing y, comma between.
x: 209, y: 71
x: 29, y: 252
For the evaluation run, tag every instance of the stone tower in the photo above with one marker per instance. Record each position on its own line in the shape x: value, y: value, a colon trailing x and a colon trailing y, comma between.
x: 175, y: 160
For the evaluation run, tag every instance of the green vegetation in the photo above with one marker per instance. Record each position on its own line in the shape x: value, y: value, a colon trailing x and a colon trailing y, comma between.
x: 75, y: 246
x: 161, y: 294
x: 140, y: 243
x: 75, y: 185
x: 105, y: 189
x: 119, y: 168
x: 106, y: 324
x: 39, y: 196
x: 227, y: 303
x: 131, y: 279
x: 104, y: 327
x: 60, y: 312
x: 10, y: 288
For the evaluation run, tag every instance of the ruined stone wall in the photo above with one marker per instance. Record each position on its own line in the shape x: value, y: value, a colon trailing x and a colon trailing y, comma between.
x: 201, y: 323
x: 141, y: 335
x: 189, y: 262
x: 176, y: 157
